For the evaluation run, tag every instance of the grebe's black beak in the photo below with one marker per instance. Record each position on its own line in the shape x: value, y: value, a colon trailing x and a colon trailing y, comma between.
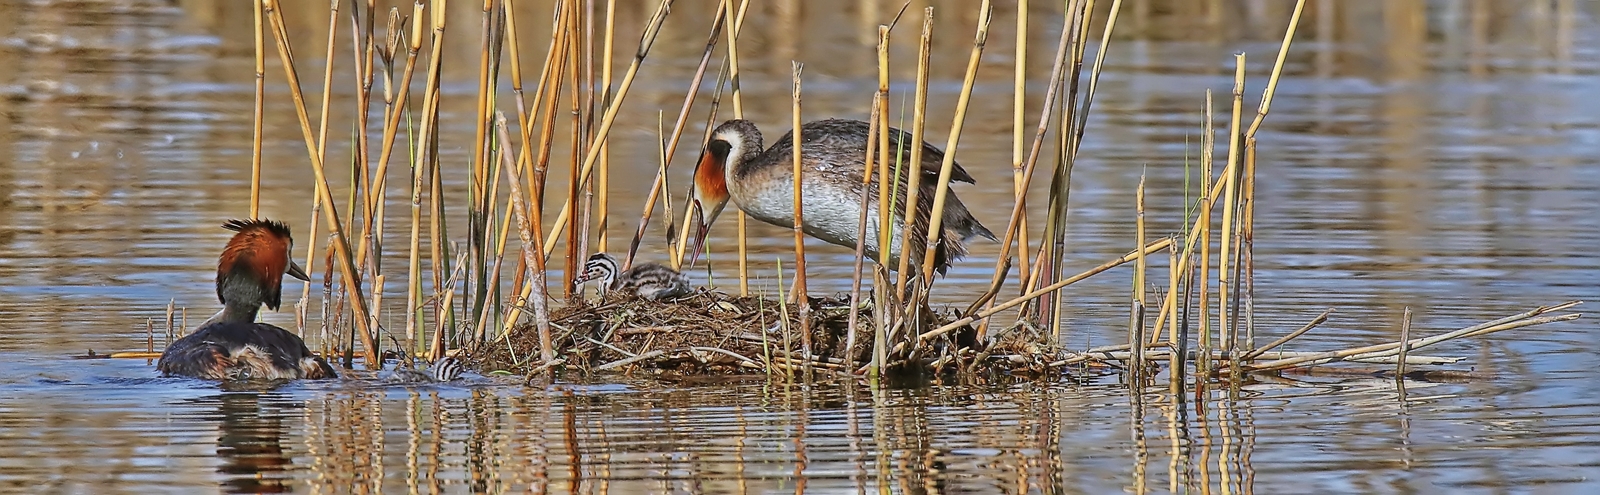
x: 297, y: 272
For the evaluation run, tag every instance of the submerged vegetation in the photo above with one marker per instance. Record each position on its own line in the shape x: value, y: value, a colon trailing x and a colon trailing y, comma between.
x: 480, y: 289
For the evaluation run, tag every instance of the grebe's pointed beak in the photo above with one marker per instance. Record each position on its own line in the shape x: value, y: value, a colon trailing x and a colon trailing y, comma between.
x: 709, y: 194
x: 297, y: 272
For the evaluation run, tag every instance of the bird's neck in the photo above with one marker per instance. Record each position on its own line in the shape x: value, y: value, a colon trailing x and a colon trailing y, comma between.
x: 239, y: 313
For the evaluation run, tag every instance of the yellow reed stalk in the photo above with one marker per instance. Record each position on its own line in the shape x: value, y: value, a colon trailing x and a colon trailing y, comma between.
x: 301, y: 307
x: 577, y: 181
x: 690, y: 207
x: 260, y: 108
x: 525, y: 121
x: 1019, y: 181
x: 885, y: 206
x: 1139, y: 271
x: 1034, y: 294
x: 427, y: 147
x: 1277, y: 70
x: 414, y: 258
x: 671, y: 144
x: 1016, y: 222
x: 546, y: 98
x: 391, y: 126
x: 913, y: 167
x: 340, y: 243
x: 652, y: 28
x: 1230, y: 201
x: 364, y: 48
x: 1052, y: 242
x: 738, y: 113
x: 799, y: 292
x: 604, y: 204
x: 935, y: 219
x: 1246, y: 240
x: 1173, y: 276
x: 1191, y: 241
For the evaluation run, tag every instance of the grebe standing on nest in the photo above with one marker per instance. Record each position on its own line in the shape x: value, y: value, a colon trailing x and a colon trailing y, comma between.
x: 652, y: 281
x: 833, y: 153
x: 231, y: 345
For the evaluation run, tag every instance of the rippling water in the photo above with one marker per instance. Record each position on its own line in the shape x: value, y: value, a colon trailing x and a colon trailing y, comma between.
x: 1442, y: 156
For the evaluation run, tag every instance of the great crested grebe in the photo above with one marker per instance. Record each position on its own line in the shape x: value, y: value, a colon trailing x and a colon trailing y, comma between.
x: 832, y: 154
x: 652, y: 281
x: 231, y: 345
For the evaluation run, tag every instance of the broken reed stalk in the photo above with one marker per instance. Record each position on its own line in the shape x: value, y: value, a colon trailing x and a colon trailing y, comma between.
x: 881, y: 99
x: 526, y: 231
x: 340, y: 242
x: 799, y: 292
x: 1405, y: 344
x: 935, y: 219
x: 919, y: 113
x: 322, y: 151
x: 671, y: 145
x: 260, y: 105
x: 592, y: 155
x: 1390, y: 349
x: 1252, y: 355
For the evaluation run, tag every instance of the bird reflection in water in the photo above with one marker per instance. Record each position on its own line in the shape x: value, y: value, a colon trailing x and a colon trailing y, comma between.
x: 251, y: 446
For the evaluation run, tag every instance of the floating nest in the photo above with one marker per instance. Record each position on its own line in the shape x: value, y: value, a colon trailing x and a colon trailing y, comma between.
x: 711, y: 333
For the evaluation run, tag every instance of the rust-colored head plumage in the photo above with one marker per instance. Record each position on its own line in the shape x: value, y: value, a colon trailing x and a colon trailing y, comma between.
x: 250, y: 270
x: 733, y: 144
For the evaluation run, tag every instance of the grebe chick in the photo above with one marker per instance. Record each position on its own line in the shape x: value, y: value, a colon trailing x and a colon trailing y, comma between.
x: 761, y: 182
x: 652, y: 281
x: 232, y: 345
x: 445, y: 369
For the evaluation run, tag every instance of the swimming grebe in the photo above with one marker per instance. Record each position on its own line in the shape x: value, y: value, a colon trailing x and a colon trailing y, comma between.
x: 446, y: 369
x: 232, y: 346
x: 833, y: 152
x: 651, y: 281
